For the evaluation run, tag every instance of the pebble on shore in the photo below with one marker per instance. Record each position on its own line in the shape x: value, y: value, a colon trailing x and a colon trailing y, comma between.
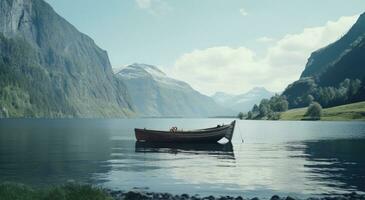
x: 136, y: 195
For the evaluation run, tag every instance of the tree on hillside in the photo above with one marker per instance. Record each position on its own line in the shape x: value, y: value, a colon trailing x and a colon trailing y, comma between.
x: 314, y: 111
x: 264, y: 107
x: 249, y: 115
x: 354, y: 87
x: 278, y: 103
x: 240, y: 115
x: 269, y: 108
x: 309, y: 99
x: 255, y: 109
x: 297, y: 92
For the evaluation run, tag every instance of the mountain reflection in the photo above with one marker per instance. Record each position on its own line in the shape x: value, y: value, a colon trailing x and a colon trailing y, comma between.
x: 221, y: 151
x: 336, y: 163
x: 49, y: 154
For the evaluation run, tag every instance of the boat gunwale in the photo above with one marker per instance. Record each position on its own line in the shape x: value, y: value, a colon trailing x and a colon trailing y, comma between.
x: 189, y: 132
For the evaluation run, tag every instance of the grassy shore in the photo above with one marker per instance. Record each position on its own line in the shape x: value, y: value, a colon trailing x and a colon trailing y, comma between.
x: 12, y: 191
x: 354, y: 111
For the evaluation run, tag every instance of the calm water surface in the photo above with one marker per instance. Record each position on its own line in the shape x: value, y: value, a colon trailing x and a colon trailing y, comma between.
x: 286, y: 158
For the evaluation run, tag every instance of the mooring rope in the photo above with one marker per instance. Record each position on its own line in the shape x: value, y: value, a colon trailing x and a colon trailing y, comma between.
x: 240, y: 132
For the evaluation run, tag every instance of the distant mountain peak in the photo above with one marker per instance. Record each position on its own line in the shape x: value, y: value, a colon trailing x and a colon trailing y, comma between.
x: 151, y: 69
x: 254, y: 89
x: 219, y: 93
x: 242, y: 102
x: 156, y: 94
x: 138, y: 70
x: 261, y: 89
x: 151, y: 72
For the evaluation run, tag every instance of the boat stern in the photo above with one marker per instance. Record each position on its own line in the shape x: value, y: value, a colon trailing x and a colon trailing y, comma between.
x: 230, y: 131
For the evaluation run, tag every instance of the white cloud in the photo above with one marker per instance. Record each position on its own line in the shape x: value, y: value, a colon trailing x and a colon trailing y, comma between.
x: 235, y: 70
x: 289, y: 55
x: 155, y: 7
x: 265, y: 39
x: 143, y: 4
x: 243, y: 12
x: 220, y: 68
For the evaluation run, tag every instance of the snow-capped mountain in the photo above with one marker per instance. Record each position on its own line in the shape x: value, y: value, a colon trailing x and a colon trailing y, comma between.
x: 137, y: 71
x: 242, y: 102
x: 153, y: 93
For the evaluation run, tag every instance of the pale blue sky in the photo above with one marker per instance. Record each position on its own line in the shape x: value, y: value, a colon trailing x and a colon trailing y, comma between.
x: 159, y: 32
x: 131, y: 34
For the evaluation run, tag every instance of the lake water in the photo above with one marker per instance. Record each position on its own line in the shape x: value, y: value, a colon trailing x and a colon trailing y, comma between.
x: 286, y: 158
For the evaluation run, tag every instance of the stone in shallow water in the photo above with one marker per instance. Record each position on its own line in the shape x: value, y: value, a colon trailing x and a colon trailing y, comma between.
x: 209, y: 198
x: 275, y: 197
x: 116, y: 193
x: 167, y: 196
x: 135, y: 196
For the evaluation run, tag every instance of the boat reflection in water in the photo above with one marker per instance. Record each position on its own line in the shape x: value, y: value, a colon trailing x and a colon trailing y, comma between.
x: 222, y: 151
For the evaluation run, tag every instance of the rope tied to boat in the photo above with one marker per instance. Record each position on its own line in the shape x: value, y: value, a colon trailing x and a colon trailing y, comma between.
x: 240, y: 132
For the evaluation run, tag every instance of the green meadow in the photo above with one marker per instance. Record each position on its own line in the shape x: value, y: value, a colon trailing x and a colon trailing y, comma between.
x: 354, y: 111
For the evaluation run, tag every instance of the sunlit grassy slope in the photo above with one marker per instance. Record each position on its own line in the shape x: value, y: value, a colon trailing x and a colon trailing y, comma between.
x: 354, y: 111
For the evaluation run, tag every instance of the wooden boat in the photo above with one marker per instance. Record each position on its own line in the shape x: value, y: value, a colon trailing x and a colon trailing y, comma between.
x: 207, y: 135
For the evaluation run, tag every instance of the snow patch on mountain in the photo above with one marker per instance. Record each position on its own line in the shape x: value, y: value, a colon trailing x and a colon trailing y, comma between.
x: 136, y: 71
x: 153, y: 93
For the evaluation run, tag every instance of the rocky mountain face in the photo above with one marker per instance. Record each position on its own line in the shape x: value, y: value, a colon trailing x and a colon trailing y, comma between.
x: 49, y: 69
x: 242, y: 102
x: 153, y: 93
x: 335, y: 74
x: 343, y: 56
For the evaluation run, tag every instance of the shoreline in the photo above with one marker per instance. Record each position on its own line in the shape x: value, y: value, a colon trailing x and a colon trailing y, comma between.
x: 138, y: 195
x: 10, y: 191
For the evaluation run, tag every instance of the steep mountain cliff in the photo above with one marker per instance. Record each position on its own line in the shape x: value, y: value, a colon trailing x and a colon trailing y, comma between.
x: 155, y: 94
x: 49, y: 69
x: 335, y: 74
x: 242, y: 102
x: 342, y: 59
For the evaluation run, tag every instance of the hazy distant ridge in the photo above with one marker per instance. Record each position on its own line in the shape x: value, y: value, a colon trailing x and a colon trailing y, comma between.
x: 242, y: 102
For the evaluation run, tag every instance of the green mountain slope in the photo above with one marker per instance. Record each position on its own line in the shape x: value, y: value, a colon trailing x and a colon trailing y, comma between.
x: 328, y: 57
x: 49, y: 69
x: 335, y: 74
